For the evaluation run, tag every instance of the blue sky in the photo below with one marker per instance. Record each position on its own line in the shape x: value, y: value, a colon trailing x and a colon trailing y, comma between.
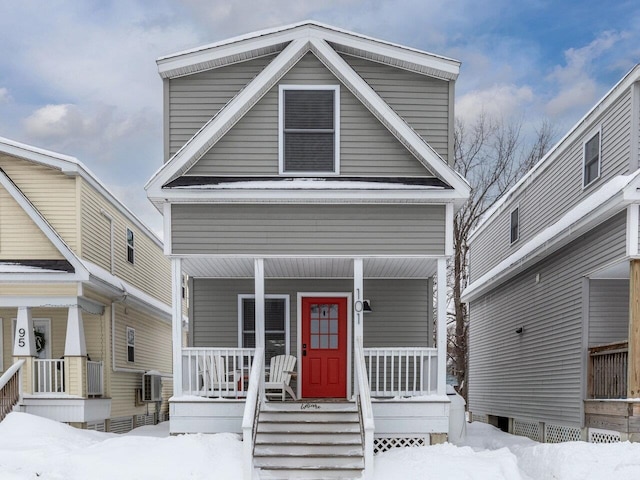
x: 79, y: 77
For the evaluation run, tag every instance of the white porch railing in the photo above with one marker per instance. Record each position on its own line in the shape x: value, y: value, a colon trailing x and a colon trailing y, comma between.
x: 10, y: 388
x: 251, y: 411
x: 95, y: 378
x: 49, y: 376
x: 363, y: 397
x: 401, y: 371
x: 216, y: 372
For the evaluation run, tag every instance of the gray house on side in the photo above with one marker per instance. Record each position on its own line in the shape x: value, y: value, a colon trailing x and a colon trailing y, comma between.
x: 554, y: 293
x: 308, y: 195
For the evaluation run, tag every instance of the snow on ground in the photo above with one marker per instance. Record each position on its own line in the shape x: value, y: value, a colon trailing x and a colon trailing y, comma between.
x: 36, y: 448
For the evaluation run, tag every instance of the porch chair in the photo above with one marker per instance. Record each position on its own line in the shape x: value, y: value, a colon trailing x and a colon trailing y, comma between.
x: 214, y: 377
x: 281, y: 368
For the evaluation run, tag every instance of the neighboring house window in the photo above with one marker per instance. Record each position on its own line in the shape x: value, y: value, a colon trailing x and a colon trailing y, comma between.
x: 591, y: 159
x: 131, y: 344
x: 515, y: 225
x: 130, y: 246
x: 276, y: 323
x: 309, y: 129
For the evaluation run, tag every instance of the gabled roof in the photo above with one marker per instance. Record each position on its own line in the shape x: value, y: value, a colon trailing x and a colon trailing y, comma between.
x: 72, y: 166
x: 576, y: 131
x: 79, y: 271
x: 269, y: 41
x: 309, y: 37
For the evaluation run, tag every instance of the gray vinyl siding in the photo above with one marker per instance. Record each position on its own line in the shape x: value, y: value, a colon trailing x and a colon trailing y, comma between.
x: 608, y: 311
x: 400, y: 314
x: 308, y: 229
x: 194, y: 99
x: 557, y: 189
x: 366, y: 146
x: 538, y: 375
x: 422, y: 101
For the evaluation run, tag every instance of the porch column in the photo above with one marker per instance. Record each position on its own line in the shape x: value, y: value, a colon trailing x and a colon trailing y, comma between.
x: 633, y: 384
x: 24, y: 347
x: 258, y: 273
x: 176, y: 323
x: 75, y: 352
x: 441, y: 326
x: 358, y: 297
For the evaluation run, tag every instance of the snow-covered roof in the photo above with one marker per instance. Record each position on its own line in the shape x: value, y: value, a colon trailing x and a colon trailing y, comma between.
x: 505, y: 202
x: 72, y: 166
x: 16, y: 267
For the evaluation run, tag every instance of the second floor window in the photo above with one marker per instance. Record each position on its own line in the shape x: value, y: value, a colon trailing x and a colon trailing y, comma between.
x: 591, y: 159
x: 515, y: 225
x: 309, y: 134
x: 130, y: 246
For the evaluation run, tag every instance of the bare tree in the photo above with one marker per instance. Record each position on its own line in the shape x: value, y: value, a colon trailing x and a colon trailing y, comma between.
x: 491, y: 155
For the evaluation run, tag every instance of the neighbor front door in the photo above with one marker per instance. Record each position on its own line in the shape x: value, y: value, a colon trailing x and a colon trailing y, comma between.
x: 324, y: 347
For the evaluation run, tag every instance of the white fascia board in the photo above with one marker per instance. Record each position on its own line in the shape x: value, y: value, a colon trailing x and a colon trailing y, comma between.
x: 220, y: 124
x: 37, y: 218
x: 590, y: 212
x: 266, y: 41
x: 37, y: 301
x: 100, y: 279
x: 576, y: 131
x: 387, y: 116
x: 72, y: 166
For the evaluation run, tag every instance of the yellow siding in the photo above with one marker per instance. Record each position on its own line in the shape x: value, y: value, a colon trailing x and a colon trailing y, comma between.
x: 51, y: 192
x: 27, y: 289
x: 20, y: 237
x: 151, y: 271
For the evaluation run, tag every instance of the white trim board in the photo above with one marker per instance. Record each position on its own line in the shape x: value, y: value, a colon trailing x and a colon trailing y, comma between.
x: 1, y: 345
x: 287, y: 318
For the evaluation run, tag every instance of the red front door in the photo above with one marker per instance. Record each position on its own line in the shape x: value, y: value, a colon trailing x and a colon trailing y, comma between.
x: 324, y: 347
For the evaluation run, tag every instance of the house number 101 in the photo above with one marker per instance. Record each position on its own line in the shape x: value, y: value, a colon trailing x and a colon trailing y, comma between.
x: 21, y: 334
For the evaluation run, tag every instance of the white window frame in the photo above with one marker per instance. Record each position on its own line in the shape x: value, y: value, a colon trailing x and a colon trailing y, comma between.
x: 592, y: 134
x: 511, y: 240
x: 132, y: 345
x: 132, y: 246
x: 46, y: 322
x: 287, y: 318
x: 336, y: 127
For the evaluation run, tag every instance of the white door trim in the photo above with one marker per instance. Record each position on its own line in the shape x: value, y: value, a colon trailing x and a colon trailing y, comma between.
x: 348, y: 296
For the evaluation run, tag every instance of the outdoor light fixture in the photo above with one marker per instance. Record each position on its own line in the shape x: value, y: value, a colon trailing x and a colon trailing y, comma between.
x: 520, y: 330
x: 367, y: 306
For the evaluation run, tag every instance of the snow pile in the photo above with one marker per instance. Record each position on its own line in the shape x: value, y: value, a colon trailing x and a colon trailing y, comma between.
x: 33, y: 447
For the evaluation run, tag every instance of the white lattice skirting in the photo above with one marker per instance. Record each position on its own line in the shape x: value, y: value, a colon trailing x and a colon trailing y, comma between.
x: 597, y: 435
x: 527, y: 429
x: 382, y: 444
x: 560, y: 433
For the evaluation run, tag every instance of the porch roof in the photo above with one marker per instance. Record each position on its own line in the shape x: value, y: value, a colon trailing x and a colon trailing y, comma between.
x: 310, y: 267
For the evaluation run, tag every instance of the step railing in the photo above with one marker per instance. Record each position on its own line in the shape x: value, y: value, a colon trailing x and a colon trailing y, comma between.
x: 10, y: 388
x: 363, y: 397
x: 49, y: 375
x: 608, y: 366
x: 217, y: 372
x: 95, y: 378
x: 251, y: 411
x: 401, y: 371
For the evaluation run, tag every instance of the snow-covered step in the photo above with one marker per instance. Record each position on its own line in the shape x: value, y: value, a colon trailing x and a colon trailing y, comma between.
x: 310, y: 474
x: 322, y: 438
x: 308, y: 427
x: 315, y: 416
x: 309, y: 407
x: 309, y: 461
x: 299, y: 448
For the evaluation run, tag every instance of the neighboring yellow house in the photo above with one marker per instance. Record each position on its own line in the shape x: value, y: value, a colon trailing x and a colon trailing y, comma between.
x: 85, y: 293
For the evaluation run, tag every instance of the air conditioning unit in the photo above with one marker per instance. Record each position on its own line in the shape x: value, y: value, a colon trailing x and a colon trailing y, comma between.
x: 151, y: 387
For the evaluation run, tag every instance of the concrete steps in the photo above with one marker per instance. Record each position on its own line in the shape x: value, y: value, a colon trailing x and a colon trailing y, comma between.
x: 309, y: 440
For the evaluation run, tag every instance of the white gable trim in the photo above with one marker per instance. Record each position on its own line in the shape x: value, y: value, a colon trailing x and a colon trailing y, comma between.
x: 387, y: 116
x: 81, y: 273
x: 614, y: 195
x: 266, y: 42
x: 220, y: 124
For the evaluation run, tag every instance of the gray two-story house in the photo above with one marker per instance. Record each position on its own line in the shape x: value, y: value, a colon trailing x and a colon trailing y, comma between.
x: 308, y: 194
x: 554, y: 293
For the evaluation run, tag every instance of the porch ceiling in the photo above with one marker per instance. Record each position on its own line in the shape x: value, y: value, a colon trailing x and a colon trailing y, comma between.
x: 306, y: 267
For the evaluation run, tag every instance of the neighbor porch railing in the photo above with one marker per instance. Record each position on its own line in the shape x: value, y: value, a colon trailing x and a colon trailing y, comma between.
x: 95, y: 378
x: 49, y: 376
x: 401, y: 371
x: 608, y: 370
x: 217, y: 372
x: 10, y: 388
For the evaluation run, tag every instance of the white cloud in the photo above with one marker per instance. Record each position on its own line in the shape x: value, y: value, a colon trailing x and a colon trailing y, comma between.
x: 4, y: 95
x: 497, y: 102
